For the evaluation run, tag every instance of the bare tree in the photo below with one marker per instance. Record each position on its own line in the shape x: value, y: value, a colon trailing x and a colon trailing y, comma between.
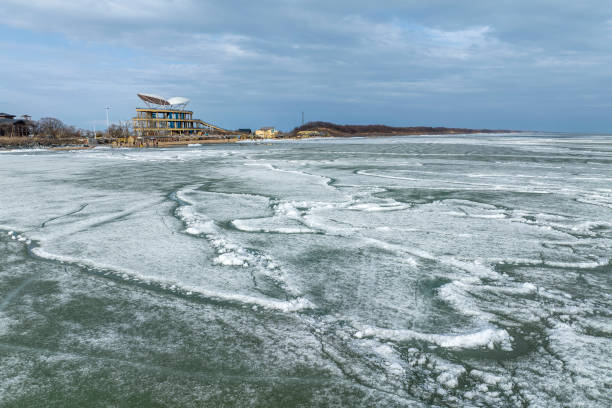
x: 50, y: 127
x: 127, y: 127
x: 114, y: 131
x: 123, y: 129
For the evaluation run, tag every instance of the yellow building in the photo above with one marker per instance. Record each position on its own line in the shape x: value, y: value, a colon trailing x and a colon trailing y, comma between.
x: 266, y: 133
x: 169, y: 118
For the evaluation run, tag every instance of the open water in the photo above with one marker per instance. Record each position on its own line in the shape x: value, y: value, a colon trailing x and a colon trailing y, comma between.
x: 409, y: 271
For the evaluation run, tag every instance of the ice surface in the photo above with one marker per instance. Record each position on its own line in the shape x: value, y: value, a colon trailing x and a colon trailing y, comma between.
x: 465, y: 270
x: 484, y: 338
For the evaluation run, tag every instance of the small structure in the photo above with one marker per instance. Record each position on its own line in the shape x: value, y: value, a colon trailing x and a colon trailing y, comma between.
x: 266, y: 132
x: 9, y: 126
x: 168, y: 118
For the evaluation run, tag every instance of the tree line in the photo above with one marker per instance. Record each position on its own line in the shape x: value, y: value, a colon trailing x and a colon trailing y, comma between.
x: 335, y: 129
x: 50, y: 131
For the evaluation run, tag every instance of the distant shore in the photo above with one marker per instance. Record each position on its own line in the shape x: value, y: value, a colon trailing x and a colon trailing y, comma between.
x: 327, y: 129
x: 312, y: 130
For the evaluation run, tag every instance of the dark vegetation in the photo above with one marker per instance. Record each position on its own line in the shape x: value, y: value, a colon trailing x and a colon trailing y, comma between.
x: 46, y: 132
x: 332, y: 129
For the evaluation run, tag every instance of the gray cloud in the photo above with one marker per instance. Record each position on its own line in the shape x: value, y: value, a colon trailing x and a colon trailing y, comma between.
x: 516, y: 64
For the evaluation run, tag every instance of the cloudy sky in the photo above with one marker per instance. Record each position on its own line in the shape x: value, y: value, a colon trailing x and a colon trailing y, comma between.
x: 520, y: 64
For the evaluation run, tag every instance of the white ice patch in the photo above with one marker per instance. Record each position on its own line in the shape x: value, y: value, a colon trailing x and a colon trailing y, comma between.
x: 287, y: 219
x: 597, y: 199
x: 321, y: 179
x: 288, y: 209
x: 391, y: 360
x: 587, y: 227
x: 19, y: 237
x: 584, y: 356
x: 292, y: 305
x: 476, y: 267
x: 579, y: 265
x: 231, y: 259
x: 196, y: 223
x: 270, y: 225
x: 456, y: 294
x: 555, y: 264
x: 509, y: 289
x: 487, y: 378
x: 406, y: 254
x: 449, y: 378
x: 390, y: 205
x: 488, y: 337
x: 471, y: 209
x: 229, y: 253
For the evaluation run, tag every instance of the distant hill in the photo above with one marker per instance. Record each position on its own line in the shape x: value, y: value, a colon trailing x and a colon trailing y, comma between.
x: 332, y: 129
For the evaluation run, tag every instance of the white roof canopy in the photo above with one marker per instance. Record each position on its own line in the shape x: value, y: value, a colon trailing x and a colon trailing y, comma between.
x: 177, y: 101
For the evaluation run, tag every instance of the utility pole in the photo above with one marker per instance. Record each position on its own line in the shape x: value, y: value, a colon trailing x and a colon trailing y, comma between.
x: 302, y: 118
x: 108, y: 108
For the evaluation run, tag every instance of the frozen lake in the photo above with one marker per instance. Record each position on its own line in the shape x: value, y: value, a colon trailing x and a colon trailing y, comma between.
x: 416, y: 271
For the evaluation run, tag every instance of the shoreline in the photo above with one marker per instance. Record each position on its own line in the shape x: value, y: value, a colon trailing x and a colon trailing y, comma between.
x: 194, y: 142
